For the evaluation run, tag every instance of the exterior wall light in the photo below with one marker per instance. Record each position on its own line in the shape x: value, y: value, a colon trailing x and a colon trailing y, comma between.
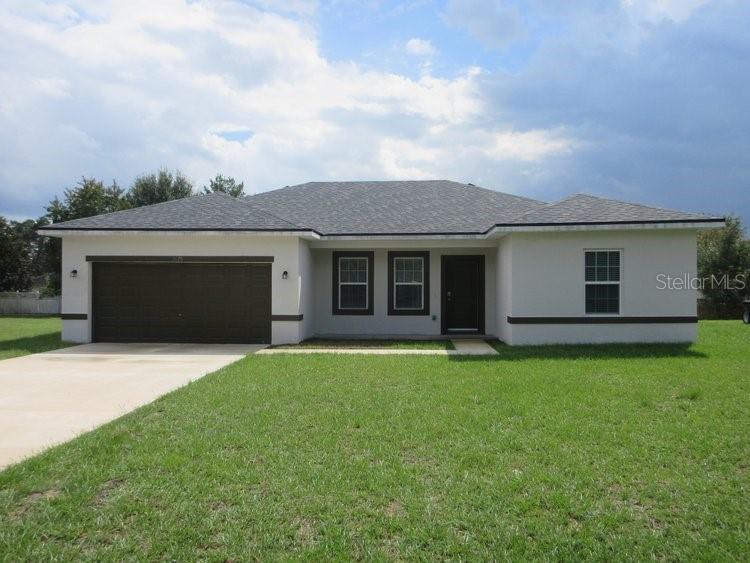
x: 285, y: 275
x: 74, y: 273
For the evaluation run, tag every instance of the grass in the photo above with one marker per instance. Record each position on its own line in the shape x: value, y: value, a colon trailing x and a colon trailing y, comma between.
x: 21, y: 335
x: 390, y: 344
x: 603, y: 452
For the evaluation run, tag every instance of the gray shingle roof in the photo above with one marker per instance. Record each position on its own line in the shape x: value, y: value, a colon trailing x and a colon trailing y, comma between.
x: 201, y: 212
x: 409, y: 207
x: 364, y: 208
x: 585, y: 208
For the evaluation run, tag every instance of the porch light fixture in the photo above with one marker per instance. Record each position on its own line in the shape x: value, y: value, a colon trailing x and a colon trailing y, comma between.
x: 285, y: 275
x: 74, y: 273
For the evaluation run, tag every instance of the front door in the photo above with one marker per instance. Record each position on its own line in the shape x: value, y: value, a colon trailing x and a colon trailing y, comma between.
x: 463, y: 294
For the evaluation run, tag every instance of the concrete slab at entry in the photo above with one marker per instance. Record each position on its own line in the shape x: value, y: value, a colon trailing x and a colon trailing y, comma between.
x: 473, y: 347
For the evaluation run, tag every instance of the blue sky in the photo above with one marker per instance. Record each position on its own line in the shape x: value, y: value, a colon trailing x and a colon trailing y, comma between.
x: 642, y: 100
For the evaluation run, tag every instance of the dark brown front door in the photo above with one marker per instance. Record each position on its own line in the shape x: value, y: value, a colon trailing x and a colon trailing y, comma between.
x: 463, y: 294
x: 186, y: 302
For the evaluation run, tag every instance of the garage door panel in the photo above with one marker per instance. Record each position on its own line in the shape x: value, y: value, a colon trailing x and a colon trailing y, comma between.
x: 157, y: 302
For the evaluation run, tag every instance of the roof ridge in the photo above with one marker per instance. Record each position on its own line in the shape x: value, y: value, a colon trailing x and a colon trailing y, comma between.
x: 507, y: 194
x: 465, y: 184
x: 376, y: 207
x: 265, y: 212
x: 250, y: 196
x: 215, y: 195
x: 648, y: 206
x: 532, y: 211
x: 129, y: 209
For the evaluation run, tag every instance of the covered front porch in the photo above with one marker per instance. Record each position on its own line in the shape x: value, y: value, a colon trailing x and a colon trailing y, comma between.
x: 372, y: 289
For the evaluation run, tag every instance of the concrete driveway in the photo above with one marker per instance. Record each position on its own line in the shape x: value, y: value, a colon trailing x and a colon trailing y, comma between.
x: 52, y: 397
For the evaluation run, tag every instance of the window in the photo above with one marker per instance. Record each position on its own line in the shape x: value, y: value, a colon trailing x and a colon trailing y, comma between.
x: 352, y: 283
x: 602, y: 281
x: 408, y: 283
x: 408, y: 279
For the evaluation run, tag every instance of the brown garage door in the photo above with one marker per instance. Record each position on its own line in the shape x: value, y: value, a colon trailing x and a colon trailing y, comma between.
x: 186, y: 302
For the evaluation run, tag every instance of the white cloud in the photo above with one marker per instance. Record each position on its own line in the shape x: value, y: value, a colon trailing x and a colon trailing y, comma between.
x: 303, y: 7
x: 420, y: 47
x: 656, y: 10
x: 52, y: 87
x: 401, y: 158
x: 443, y: 149
x: 115, y: 89
x: 495, y: 23
x: 530, y: 146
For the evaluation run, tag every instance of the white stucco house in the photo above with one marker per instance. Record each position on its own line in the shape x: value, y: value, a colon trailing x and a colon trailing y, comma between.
x: 379, y: 259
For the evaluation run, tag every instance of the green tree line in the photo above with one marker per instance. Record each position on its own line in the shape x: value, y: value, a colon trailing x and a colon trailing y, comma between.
x: 724, y: 265
x: 29, y: 260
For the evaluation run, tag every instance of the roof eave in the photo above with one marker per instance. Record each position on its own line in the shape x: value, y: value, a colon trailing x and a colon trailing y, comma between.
x: 80, y: 231
x: 410, y: 236
x: 499, y: 229
x: 707, y: 223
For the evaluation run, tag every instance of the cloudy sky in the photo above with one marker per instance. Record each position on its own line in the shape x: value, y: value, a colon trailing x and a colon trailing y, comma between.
x: 645, y: 100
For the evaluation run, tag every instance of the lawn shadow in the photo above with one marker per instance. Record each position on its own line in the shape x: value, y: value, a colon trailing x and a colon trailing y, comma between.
x: 31, y: 344
x: 585, y: 351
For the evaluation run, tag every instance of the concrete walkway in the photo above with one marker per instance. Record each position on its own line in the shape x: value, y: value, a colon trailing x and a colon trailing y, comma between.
x: 50, y: 398
x: 473, y: 347
x: 463, y: 347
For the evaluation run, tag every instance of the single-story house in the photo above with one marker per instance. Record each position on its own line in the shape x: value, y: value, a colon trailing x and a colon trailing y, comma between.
x: 379, y: 259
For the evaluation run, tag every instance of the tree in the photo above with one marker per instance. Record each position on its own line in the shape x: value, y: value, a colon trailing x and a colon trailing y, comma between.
x: 724, y: 252
x: 15, y: 263
x: 159, y: 187
x: 89, y: 197
x: 225, y: 184
x: 27, y: 233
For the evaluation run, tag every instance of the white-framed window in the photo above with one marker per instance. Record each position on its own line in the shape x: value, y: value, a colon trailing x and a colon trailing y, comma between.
x: 353, y: 286
x: 602, y: 279
x: 408, y: 283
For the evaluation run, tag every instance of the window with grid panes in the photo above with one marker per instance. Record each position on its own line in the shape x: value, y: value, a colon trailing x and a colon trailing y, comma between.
x: 602, y: 278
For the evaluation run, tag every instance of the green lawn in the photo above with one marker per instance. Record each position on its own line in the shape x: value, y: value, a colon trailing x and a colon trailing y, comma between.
x: 391, y: 344
x: 609, y: 452
x: 21, y: 335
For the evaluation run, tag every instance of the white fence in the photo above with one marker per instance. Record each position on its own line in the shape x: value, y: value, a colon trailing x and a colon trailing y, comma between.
x: 28, y: 303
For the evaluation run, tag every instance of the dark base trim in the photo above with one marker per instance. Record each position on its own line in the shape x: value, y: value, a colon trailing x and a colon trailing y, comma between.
x: 598, y: 320
x: 74, y: 316
x: 178, y: 259
x: 180, y: 341
x: 286, y: 317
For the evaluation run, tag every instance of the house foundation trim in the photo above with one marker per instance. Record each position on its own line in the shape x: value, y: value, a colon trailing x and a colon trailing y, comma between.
x: 286, y: 317
x: 600, y: 320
